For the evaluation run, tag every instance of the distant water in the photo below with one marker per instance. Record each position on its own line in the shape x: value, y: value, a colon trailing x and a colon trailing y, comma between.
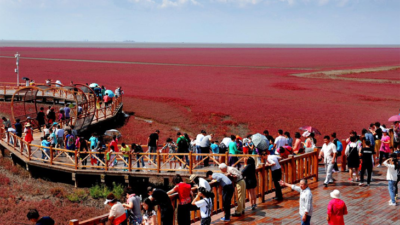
x: 90, y: 44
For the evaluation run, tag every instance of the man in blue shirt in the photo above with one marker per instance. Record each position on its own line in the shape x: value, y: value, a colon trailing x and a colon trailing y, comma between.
x: 45, y: 143
x: 33, y: 216
x: 227, y: 192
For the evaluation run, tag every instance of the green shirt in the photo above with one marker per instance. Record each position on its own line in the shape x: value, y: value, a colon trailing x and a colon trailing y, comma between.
x: 233, y: 148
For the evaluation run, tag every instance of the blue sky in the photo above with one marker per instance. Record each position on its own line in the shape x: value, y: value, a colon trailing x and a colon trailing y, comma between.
x: 203, y: 21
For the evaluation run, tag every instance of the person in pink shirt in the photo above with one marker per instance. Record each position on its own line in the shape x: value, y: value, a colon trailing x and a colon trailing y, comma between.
x: 336, y: 209
x: 385, y: 146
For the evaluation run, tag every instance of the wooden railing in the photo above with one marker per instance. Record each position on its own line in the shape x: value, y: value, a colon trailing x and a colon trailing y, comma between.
x: 293, y: 169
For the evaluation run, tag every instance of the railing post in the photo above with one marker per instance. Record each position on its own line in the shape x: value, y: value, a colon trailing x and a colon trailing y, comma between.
x: 51, y: 155
x: 343, y: 166
x: 29, y: 152
x: 293, y: 172
x: 263, y: 181
x: 158, y: 161
x: 226, y: 157
x: 316, y: 166
x: 130, y: 162
x: 190, y: 163
x: 76, y: 159
x: 74, y: 222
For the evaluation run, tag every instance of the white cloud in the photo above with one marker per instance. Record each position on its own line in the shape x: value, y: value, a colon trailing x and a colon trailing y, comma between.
x: 177, y: 3
x: 323, y: 2
x: 290, y: 2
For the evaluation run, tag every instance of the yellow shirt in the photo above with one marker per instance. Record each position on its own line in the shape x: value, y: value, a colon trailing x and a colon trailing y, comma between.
x: 125, y: 150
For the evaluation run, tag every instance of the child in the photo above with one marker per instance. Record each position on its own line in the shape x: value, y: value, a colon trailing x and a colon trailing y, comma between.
x: 150, y: 215
x: 171, y: 149
x: 126, y: 151
x: 391, y: 176
x: 205, y: 205
x: 215, y: 150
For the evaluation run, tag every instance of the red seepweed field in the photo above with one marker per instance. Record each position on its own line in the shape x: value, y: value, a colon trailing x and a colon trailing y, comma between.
x: 228, y: 91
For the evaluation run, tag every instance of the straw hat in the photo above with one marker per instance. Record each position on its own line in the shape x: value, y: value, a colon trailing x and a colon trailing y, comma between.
x: 28, y: 125
x: 335, y: 194
x: 192, y: 177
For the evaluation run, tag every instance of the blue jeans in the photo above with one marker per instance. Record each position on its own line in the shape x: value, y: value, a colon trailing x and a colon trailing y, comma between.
x: 391, y: 187
x: 153, y: 149
x: 198, y: 150
x: 138, y: 164
x: 308, y: 219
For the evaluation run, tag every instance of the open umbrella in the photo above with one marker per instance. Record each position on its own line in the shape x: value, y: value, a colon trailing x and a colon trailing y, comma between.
x: 112, y: 133
x: 394, y: 118
x: 92, y: 85
x: 110, y: 93
x: 260, y: 141
x: 226, y: 141
x: 310, y: 129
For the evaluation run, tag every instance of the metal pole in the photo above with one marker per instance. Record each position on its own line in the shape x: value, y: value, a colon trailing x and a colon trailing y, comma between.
x: 17, y: 70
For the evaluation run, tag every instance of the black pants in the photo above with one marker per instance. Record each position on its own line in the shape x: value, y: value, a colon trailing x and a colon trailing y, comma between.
x: 203, y: 151
x: 184, y: 214
x: 227, y: 193
x: 381, y: 155
x: 396, y: 189
x: 368, y: 167
x: 335, y: 167
x: 276, y: 177
x: 167, y: 215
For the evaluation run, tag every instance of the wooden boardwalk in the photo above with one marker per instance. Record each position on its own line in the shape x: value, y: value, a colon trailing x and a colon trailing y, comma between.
x: 366, y: 205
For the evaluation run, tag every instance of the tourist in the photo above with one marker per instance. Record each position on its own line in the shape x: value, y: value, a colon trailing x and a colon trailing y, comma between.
x: 267, y: 136
x: 6, y: 123
x: 100, y: 148
x: 60, y: 136
x: 384, y: 149
x: 280, y: 141
x: 125, y: 153
x: 339, y: 149
x: 273, y: 162
x: 227, y: 192
x: 237, y: 178
x: 48, y: 82
x: 40, y: 117
x: 18, y: 128
x: 353, y: 160
x: 82, y: 146
x: 329, y: 152
x: 137, y: 149
x: 114, y: 142
x: 233, y: 151
x: 205, y: 205
x: 309, y: 143
x: 367, y: 153
x: 297, y: 143
x: 375, y: 129
x: 58, y: 83
x: 45, y: 142
x: 184, y: 193
x: 183, y: 148
x: 223, y: 147
x: 33, y: 216
x: 284, y: 152
x: 117, y: 215
x: 172, y: 150
x: 132, y: 206
x: 306, y: 200
x: 28, y: 133
x: 67, y: 112
x: 215, y: 150
x: 70, y: 142
x: 369, y: 137
x: 199, y: 182
x: 249, y: 174
x: 152, y: 143
x: 53, y: 138
x: 149, y: 215
x: 289, y: 140
x: 336, y: 209
x: 205, y: 144
x: 391, y: 175
x: 93, y: 147
x: 199, y: 137
x: 61, y: 116
x: 107, y: 99
x: 161, y: 198
x: 73, y: 131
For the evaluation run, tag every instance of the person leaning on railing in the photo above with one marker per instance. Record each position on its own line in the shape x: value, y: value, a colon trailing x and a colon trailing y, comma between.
x: 185, y: 193
x: 161, y: 198
x: 227, y: 192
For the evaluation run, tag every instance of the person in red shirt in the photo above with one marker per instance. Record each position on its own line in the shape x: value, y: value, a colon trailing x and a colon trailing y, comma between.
x: 336, y: 209
x: 106, y: 99
x: 185, y: 193
x: 114, y: 143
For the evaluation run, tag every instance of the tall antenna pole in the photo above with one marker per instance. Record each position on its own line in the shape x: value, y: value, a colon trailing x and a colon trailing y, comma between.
x: 17, y: 69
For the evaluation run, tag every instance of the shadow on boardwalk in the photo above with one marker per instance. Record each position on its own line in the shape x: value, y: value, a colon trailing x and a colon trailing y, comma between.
x: 366, y: 205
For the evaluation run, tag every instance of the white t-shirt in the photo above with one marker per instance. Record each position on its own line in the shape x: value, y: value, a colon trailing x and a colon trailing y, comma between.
x: 274, y: 159
x: 280, y: 141
x: 199, y: 137
x: 203, y: 183
x: 226, y: 141
x: 117, y: 210
x: 147, y: 218
x: 205, y: 206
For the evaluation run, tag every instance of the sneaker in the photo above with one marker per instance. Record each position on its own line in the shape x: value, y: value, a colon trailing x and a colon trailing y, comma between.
x: 379, y: 165
x: 392, y: 203
x: 225, y: 220
x: 361, y: 184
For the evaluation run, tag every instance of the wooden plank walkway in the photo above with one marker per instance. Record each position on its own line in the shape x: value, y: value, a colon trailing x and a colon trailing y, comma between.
x: 366, y: 205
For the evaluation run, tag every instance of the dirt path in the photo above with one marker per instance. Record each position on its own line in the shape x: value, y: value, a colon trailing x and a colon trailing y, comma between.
x: 337, y: 74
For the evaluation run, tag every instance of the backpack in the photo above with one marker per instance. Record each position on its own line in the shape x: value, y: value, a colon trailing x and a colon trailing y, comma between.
x: 71, y: 140
x: 183, y: 145
x: 339, y: 146
x: 222, y: 148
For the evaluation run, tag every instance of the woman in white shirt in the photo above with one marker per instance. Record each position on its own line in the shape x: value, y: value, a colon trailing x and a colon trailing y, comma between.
x: 391, y: 175
x: 150, y: 215
x: 117, y: 214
